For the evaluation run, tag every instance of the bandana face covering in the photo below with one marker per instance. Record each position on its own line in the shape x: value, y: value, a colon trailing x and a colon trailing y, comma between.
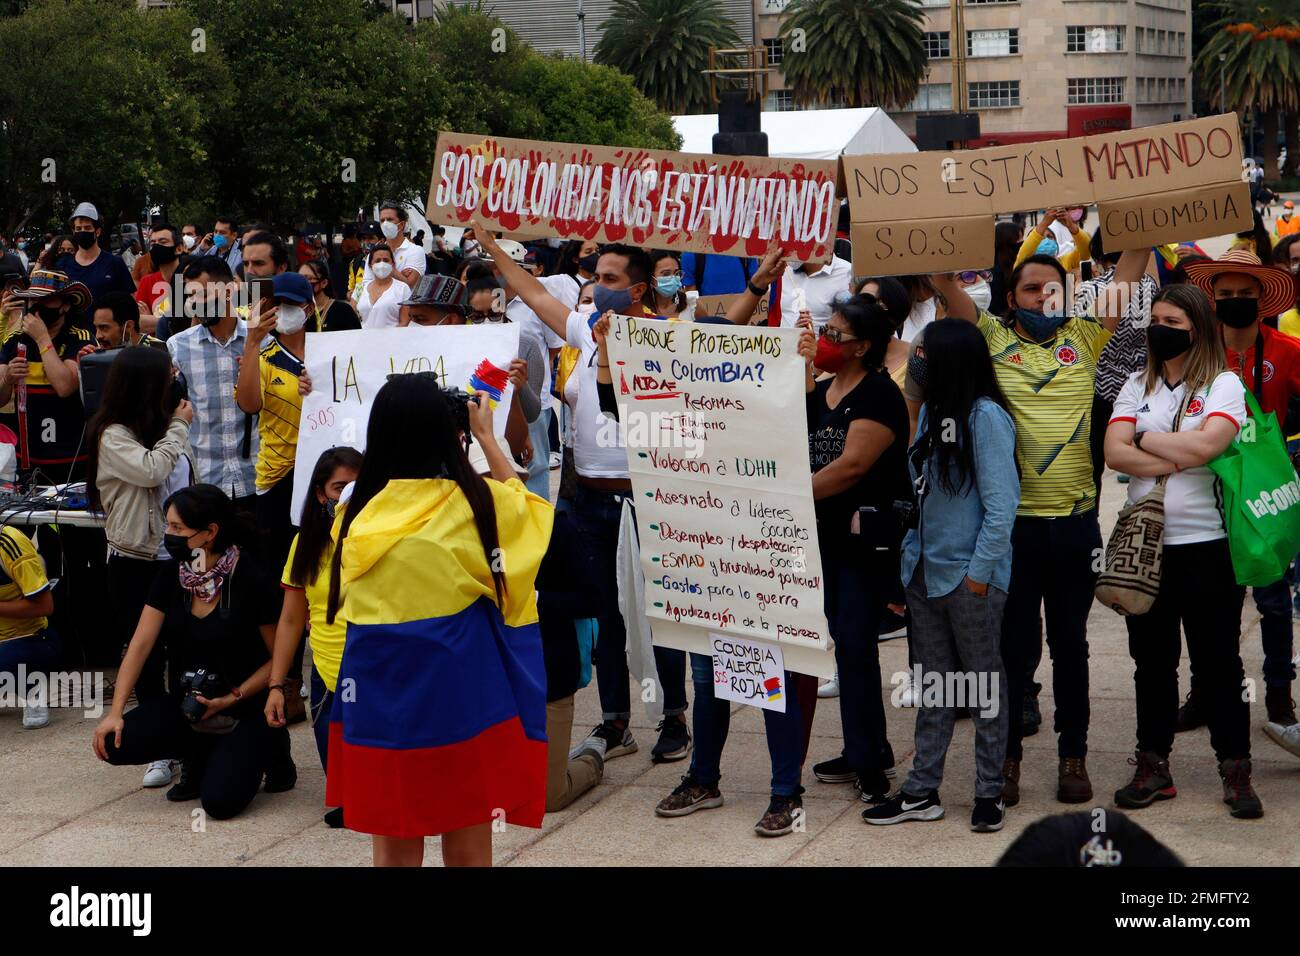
x: 206, y: 585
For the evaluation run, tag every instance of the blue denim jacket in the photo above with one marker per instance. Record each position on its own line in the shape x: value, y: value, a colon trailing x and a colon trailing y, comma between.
x: 969, y: 534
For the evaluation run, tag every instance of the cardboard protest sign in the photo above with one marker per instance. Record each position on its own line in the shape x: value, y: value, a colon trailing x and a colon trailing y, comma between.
x: 748, y: 672
x: 690, y: 202
x: 915, y: 194
x: 722, y: 485
x: 347, y: 369
x: 718, y: 306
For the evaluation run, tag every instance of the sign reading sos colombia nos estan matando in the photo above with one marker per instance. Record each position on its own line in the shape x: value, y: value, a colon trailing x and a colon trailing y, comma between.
x: 934, y: 211
x: 689, y: 202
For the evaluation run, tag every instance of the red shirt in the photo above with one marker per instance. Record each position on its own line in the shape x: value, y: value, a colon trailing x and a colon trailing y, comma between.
x: 1281, y: 370
x: 152, y: 288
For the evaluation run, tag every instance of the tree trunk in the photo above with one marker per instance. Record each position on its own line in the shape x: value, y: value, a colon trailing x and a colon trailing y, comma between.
x: 1291, y: 130
x: 1268, y: 121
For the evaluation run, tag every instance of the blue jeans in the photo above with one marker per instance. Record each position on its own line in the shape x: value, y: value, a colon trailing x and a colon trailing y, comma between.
x: 322, y: 702
x: 539, y: 470
x: 38, y: 654
x: 1274, y: 605
x: 596, y: 516
x: 712, y: 722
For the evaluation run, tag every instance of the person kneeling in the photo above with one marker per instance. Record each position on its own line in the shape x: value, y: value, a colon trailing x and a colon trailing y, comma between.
x: 217, y: 610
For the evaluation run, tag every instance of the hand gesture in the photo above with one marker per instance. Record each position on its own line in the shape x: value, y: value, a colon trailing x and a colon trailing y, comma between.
x: 36, y: 330
x: 214, y: 707
x: 771, y: 268
x: 807, y: 345
x: 275, y: 708
x: 304, y: 383
x: 16, y: 371
x: 87, y: 350
x: 600, y: 331
x: 109, y: 725
x: 804, y: 321
x: 519, y: 373
x: 10, y: 302
x: 1049, y: 216
x: 480, y: 417
x: 487, y: 242
x: 185, y: 412
x: 264, y: 325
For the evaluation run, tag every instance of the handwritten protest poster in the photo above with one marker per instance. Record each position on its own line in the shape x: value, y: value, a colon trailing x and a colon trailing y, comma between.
x: 748, y: 672
x: 932, y: 211
x: 347, y: 369
x: 717, y: 448
x: 691, y: 202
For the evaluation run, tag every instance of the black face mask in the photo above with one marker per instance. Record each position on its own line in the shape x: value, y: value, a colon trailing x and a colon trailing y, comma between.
x: 49, y: 314
x: 588, y: 263
x: 1165, y: 342
x: 1237, y: 313
x: 83, y: 240
x: 918, y: 367
x: 178, y: 546
x: 162, y: 255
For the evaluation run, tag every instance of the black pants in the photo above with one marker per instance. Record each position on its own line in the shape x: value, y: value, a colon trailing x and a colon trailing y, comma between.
x: 129, y: 580
x: 1199, y: 591
x: 855, y: 594
x: 1053, y: 566
x: 274, y: 523
x: 230, y: 766
x: 1101, y: 412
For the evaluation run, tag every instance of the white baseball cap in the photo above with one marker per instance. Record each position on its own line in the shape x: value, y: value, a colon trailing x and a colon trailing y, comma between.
x: 85, y: 210
x: 513, y: 249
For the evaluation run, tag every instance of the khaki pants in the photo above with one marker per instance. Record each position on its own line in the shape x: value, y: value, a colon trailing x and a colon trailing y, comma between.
x: 566, y: 780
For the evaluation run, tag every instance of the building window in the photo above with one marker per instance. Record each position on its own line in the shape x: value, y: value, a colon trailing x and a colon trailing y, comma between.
x: 936, y: 45
x: 992, y: 42
x: 783, y: 100
x: 772, y: 6
x: 1094, y: 89
x: 930, y: 97
x: 1141, y: 91
x: 1096, y: 39
x: 985, y: 96
x: 934, y: 3
x: 775, y: 51
x: 973, y: 3
x: 1182, y: 44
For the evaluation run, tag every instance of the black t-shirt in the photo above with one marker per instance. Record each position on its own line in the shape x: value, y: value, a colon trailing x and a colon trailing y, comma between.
x: 875, y: 398
x: 51, y: 430
x: 228, y: 641
x: 340, y: 317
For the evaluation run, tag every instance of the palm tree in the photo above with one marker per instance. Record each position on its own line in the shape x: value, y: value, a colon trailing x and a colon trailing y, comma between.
x: 664, y: 46
x: 869, y: 53
x: 1260, y: 43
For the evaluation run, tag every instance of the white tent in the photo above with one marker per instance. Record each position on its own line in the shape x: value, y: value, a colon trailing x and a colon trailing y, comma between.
x: 809, y: 134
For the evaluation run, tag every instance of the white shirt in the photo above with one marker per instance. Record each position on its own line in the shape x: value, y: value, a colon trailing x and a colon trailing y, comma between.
x: 382, y: 314
x: 563, y: 289
x: 599, y: 446
x: 407, y: 256
x: 922, y: 314
x: 817, y: 291
x: 1064, y: 239
x: 1191, y: 503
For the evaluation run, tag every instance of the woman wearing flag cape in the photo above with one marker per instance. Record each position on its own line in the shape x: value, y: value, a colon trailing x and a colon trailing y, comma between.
x: 439, y: 721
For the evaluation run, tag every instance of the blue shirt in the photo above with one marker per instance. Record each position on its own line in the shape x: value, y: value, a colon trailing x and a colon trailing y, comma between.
x: 723, y: 275
x: 106, y: 274
x: 969, y: 534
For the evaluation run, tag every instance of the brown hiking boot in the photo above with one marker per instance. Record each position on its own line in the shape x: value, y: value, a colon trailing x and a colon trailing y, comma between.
x: 1192, y: 714
x: 1238, y: 794
x: 1152, y: 781
x: 1072, y: 783
x: 1279, y: 705
x: 1011, y: 783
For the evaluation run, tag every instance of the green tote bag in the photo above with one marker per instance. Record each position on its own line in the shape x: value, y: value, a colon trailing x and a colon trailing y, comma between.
x: 1261, y: 500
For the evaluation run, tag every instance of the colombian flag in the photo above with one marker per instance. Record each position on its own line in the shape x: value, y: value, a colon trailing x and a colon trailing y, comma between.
x: 439, y: 718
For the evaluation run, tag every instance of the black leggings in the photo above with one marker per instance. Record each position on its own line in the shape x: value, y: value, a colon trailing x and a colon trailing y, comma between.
x: 129, y: 580
x: 230, y: 766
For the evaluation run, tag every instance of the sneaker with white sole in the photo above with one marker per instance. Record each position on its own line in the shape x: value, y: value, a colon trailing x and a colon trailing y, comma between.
x: 36, y: 712
x: 902, y: 807
x: 158, y: 773
x: 892, y: 625
x: 556, y: 460
x: 674, y: 741
x: 689, y: 796
x: 617, y: 742
x: 829, y: 689
x: 1286, y: 736
x: 908, y: 695
x: 988, y: 814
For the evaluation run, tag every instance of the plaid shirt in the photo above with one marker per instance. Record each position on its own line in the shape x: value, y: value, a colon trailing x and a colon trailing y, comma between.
x: 212, y: 369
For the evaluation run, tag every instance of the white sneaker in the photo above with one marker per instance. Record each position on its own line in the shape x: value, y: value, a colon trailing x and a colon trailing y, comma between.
x: 158, y: 774
x: 907, y: 693
x: 556, y: 460
x: 830, y: 689
x: 35, y: 714
x: 1286, y: 736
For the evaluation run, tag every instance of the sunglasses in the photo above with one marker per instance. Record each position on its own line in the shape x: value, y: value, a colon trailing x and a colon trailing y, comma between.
x: 835, y: 336
x: 973, y: 276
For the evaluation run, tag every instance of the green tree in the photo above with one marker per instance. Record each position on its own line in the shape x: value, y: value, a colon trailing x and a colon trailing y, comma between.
x: 115, y: 116
x: 870, y: 54
x: 1260, y: 45
x: 664, y: 46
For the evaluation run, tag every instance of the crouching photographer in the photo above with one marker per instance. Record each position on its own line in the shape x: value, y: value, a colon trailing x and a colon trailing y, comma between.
x: 216, y: 610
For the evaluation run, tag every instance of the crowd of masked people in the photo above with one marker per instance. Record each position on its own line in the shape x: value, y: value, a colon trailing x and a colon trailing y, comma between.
x: 455, y: 597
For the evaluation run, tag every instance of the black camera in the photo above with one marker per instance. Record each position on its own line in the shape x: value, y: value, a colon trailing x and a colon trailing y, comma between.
x: 458, y: 400
x: 180, y: 390
x: 199, y: 683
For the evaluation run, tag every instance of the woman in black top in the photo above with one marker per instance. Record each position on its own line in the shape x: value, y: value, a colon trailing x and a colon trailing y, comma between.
x: 332, y: 315
x: 216, y: 608
x: 857, y: 446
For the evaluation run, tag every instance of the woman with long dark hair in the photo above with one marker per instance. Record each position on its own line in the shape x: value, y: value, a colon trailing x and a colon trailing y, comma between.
x: 668, y: 298
x: 328, y: 315
x: 1007, y: 238
x: 216, y: 609
x: 957, y: 566
x: 857, y: 441
x: 139, y: 455
x: 443, y: 730
x: 306, y: 594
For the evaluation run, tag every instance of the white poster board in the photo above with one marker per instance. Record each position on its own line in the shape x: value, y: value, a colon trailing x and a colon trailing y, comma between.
x: 347, y: 369
x: 717, y: 447
x: 748, y: 672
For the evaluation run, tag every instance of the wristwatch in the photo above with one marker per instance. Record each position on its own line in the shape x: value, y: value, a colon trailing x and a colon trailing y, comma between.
x: 755, y: 289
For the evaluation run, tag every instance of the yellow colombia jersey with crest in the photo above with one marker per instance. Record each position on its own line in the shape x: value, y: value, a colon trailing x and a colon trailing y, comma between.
x: 1049, y: 387
x: 277, y: 424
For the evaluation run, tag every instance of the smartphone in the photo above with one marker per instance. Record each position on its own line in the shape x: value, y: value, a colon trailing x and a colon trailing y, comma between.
x: 259, y: 294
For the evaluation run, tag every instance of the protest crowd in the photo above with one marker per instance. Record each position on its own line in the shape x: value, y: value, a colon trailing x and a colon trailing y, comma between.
x: 458, y: 569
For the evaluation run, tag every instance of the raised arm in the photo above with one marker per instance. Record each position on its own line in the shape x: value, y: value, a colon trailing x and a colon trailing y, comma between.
x: 548, y: 308
x: 747, y: 303
x: 959, y: 304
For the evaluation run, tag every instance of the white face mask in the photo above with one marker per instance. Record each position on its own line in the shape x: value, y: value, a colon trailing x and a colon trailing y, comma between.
x: 980, y: 294
x: 290, y: 318
x: 382, y: 270
x: 389, y: 229
x: 189, y: 241
x: 587, y: 308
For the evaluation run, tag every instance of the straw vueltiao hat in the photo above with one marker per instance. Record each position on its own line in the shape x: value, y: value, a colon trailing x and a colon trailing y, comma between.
x: 47, y: 282
x: 1277, y: 284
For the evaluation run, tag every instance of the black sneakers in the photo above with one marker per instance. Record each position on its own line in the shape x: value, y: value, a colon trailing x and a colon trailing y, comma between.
x: 187, y: 787
x: 902, y: 807
x: 836, y: 770
x: 689, y: 796
x: 612, y: 741
x: 873, y: 786
x: 1152, y: 781
x: 987, y: 815
x: 674, y: 741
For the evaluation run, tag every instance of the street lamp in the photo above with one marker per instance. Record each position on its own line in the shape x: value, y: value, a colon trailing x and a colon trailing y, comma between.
x: 1223, y: 99
x: 582, y: 31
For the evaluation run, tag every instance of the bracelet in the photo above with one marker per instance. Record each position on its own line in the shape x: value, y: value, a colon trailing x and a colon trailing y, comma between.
x: 279, y: 687
x: 236, y: 693
x: 756, y: 290
x: 48, y: 348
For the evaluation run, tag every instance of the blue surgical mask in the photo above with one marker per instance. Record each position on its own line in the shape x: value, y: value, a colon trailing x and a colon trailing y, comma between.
x: 218, y: 240
x: 668, y: 286
x: 1040, y: 327
x: 618, y: 301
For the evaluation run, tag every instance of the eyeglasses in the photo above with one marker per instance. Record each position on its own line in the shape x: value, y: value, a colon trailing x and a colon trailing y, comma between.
x: 973, y: 276
x: 835, y: 336
x: 669, y: 275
